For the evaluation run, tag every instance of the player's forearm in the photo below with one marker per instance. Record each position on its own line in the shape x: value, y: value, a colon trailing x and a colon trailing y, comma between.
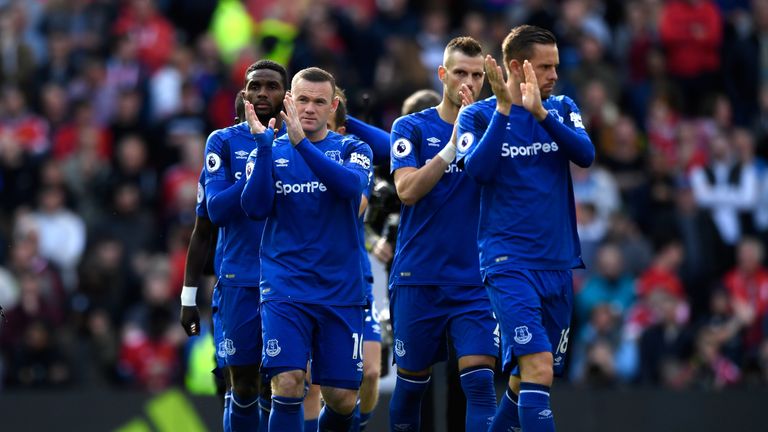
x: 258, y: 195
x: 197, y: 252
x: 481, y: 163
x: 377, y: 138
x: 576, y: 144
x: 339, y: 179
x: 224, y: 203
x: 412, y: 186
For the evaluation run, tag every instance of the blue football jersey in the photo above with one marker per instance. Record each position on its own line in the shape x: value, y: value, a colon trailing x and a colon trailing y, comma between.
x: 201, y: 210
x: 527, y: 211
x: 310, y: 251
x: 437, y: 237
x: 473, y: 121
x: 365, y: 263
x: 226, y: 154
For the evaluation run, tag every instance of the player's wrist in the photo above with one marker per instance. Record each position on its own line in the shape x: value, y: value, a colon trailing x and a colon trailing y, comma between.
x: 503, y: 108
x: 448, y: 153
x: 541, y: 114
x: 188, y: 296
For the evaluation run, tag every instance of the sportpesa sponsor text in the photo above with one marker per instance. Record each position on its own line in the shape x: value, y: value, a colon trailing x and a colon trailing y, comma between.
x: 306, y: 187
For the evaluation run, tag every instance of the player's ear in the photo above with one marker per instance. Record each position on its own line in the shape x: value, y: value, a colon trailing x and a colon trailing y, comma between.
x: 334, y: 103
x: 441, y: 71
x: 515, y: 69
x: 341, y: 130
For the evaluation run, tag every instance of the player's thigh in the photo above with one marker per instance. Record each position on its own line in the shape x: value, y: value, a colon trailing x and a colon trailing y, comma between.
x: 557, y: 310
x: 287, y: 329
x: 517, y: 304
x: 419, y: 323
x: 337, y: 349
x: 240, y: 325
x: 472, y: 327
x: 371, y: 359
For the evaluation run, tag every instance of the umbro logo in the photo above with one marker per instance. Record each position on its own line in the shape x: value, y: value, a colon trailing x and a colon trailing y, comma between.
x: 282, y: 162
x: 241, y: 154
x: 433, y: 142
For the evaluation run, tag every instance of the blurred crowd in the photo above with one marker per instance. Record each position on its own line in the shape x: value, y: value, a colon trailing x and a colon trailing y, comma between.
x: 105, y: 106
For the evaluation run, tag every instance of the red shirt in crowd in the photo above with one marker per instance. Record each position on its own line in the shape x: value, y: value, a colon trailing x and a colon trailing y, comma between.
x: 691, y: 32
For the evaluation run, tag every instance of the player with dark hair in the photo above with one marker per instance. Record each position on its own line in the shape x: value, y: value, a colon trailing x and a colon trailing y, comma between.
x: 308, y: 187
x: 205, y: 250
x: 226, y: 154
x: 519, y: 146
x: 436, y: 293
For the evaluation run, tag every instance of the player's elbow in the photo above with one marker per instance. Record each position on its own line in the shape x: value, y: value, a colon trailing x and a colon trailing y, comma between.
x: 478, y: 175
x: 217, y: 217
x: 586, y: 157
x: 407, y: 197
x: 255, y: 212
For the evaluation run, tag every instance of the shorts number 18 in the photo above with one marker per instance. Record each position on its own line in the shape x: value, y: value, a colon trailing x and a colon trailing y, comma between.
x: 562, y: 347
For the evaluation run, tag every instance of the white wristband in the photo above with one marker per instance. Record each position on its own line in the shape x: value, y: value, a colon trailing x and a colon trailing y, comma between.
x: 448, y: 153
x: 188, y: 296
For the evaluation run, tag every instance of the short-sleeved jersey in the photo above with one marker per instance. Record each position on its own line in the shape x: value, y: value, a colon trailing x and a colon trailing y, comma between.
x: 201, y: 210
x: 310, y: 251
x: 437, y: 236
x: 226, y: 154
x: 527, y: 211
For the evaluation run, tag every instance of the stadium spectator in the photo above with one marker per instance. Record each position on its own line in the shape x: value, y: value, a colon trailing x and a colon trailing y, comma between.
x: 691, y: 33
x: 747, y: 285
x: 610, y: 285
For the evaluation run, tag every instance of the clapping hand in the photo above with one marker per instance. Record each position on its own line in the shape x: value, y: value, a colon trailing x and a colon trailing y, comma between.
x: 253, y: 120
x: 467, y: 99
x: 291, y: 119
x: 499, y: 87
x: 531, y: 93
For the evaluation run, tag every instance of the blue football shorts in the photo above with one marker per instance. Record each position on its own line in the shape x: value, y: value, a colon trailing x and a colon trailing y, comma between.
x: 240, y: 320
x: 371, y: 326
x: 331, y: 336
x: 218, y: 332
x: 534, y: 309
x: 424, y: 318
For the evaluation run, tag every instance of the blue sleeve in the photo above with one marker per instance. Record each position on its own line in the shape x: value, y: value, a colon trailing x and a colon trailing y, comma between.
x: 201, y: 210
x: 258, y: 195
x: 340, y: 179
x: 404, y: 152
x: 224, y: 200
x: 359, y: 161
x: 470, y: 129
x: 481, y: 162
x: 221, y: 191
x: 377, y: 138
x: 574, y: 140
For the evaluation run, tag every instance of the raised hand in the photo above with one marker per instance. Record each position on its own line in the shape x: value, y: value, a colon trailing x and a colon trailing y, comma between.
x: 466, y: 95
x: 467, y: 99
x: 499, y: 87
x: 253, y: 120
x: 531, y: 93
x: 291, y: 119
